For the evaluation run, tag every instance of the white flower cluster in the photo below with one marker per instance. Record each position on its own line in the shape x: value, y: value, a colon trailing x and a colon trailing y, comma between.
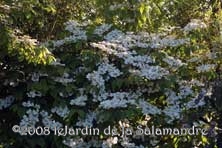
x: 125, y: 142
x: 115, y: 36
x: 172, y: 111
x: 61, y: 111
x: 110, y: 142
x: 144, y: 40
x: 172, y: 97
x: 105, y: 71
x: 112, y: 48
x: 77, y: 33
x: 33, y: 94
x: 195, y: 103
x: 80, y: 143
x: 185, y: 91
x: 150, y: 72
x: 6, y: 102
x: 153, y: 72
x: 175, y: 100
x: 198, y: 100
x: 10, y: 83
x: 116, y: 103
x: 88, y: 121
x: 49, y: 122
x: 192, y: 82
x: 205, y: 67
x: 168, y: 41
x: 148, y: 108
x: 75, y: 143
x: 100, y: 30
x: 129, y: 39
x: 116, y: 6
x: 110, y: 69
x: 194, y: 24
x: 175, y: 63
x: 96, y: 79
x: 138, y: 60
x: 118, y: 99
x: 64, y: 79
x: 65, y: 95
x: 119, y: 44
x: 79, y: 101
x: 35, y: 76
x: 30, y: 104
x: 30, y: 118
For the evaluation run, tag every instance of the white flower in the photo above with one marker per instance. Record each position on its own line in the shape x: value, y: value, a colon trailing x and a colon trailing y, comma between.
x: 28, y: 104
x: 194, y: 59
x: 173, y: 62
x: 101, y: 96
x: 6, y: 102
x: 35, y: 77
x: 64, y: 79
x: 77, y: 33
x: 126, y: 144
x: 199, y: 99
x: 101, y: 29
x: 148, y: 108
x: 195, y: 103
x: 168, y: 41
x: 138, y: 61
x: 110, y: 142
x: 173, y: 111
x: 96, y: 77
x: 205, y: 67
x: 61, y: 111
x: 80, y: 101
x: 153, y: 72
x: 116, y: 6
x: 118, y: 100
x: 88, y: 121
x: 49, y: 122
x: 30, y: 118
x: 115, y: 103
x: 64, y: 95
x: 33, y: 94
x: 75, y: 143
x: 71, y: 24
x: 172, y: 97
x: 185, y: 91
x: 110, y: 69
x: 114, y: 36
x: 194, y: 24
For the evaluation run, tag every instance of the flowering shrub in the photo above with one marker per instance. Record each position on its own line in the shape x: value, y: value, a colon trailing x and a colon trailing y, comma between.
x: 107, y: 75
x: 121, y: 79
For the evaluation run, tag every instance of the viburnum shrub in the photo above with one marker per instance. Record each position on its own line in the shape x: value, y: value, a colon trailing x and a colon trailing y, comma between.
x: 102, y: 76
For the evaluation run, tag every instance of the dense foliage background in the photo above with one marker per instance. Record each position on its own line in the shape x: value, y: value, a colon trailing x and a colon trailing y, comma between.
x: 124, y: 63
